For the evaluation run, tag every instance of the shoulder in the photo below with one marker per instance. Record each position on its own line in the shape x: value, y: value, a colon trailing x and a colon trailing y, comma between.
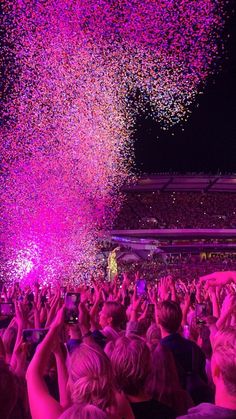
x: 210, y: 411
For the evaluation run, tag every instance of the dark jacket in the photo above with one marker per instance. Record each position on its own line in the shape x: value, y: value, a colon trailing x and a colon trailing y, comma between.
x: 186, y: 353
x: 190, y: 363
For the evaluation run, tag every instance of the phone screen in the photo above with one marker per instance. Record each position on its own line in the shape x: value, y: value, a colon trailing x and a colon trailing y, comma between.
x: 34, y: 335
x: 72, y: 301
x: 200, y: 310
x: 7, y: 309
x: 141, y: 287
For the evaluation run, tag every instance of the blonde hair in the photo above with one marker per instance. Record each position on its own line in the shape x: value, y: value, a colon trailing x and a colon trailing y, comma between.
x: 153, y: 336
x: 224, y: 352
x: 131, y: 362
x: 84, y: 412
x: 91, y: 377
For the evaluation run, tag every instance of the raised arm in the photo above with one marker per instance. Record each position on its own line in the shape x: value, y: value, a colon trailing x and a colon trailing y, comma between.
x: 42, y: 404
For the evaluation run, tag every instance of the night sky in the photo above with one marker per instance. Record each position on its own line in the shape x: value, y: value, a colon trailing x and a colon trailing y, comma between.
x: 208, y: 141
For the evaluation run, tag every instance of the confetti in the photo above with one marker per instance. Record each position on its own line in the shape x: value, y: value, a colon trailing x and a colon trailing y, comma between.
x: 76, y: 74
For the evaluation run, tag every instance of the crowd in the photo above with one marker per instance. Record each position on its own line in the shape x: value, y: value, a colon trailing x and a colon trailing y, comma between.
x: 177, y: 210
x: 129, y: 348
x: 180, y: 265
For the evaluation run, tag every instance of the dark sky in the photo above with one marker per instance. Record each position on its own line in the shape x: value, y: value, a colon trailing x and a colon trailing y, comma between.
x: 208, y: 142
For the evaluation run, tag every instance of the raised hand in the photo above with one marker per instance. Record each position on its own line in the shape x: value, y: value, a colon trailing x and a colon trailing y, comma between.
x: 218, y: 278
x: 152, y: 294
x: 84, y: 319
x: 163, y: 288
x: 19, y: 358
x: 59, y: 319
x: 21, y: 315
x: 54, y: 306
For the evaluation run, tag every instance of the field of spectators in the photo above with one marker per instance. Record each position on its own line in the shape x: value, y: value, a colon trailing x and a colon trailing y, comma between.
x: 186, y: 267
x: 173, y: 210
x: 120, y: 350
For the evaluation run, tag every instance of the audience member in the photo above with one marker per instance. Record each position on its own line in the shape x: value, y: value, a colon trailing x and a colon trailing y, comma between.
x: 149, y: 357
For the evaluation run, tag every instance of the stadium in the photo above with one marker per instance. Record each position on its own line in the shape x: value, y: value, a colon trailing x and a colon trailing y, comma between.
x: 170, y: 219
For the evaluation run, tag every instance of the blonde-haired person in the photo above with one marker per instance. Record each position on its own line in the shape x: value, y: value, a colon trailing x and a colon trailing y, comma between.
x: 131, y: 362
x: 153, y: 336
x: 223, y: 365
x: 90, y: 377
x: 88, y: 380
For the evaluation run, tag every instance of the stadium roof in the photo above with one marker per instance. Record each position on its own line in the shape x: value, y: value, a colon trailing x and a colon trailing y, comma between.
x: 176, y: 239
x: 182, y: 183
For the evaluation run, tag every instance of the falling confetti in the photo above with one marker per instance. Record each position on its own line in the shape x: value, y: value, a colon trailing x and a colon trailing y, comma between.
x: 72, y: 71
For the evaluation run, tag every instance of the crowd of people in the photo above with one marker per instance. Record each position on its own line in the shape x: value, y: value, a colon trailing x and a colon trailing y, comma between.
x: 129, y: 348
x: 181, y: 265
x: 177, y: 210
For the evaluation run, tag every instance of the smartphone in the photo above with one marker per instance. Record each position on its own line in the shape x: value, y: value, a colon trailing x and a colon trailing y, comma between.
x: 100, y: 305
x: 63, y: 292
x: 141, y: 287
x: 150, y: 310
x: 43, y: 300
x: 7, y: 309
x: 192, y: 297
x: 200, y: 310
x: 127, y: 301
x: 72, y: 300
x: 30, y: 297
x: 200, y: 321
x: 32, y: 337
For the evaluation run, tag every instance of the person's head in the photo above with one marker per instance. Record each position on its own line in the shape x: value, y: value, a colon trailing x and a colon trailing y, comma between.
x: 90, y: 377
x: 223, y: 363
x: 84, y: 412
x: 131, y: 362
x: 169, y: 316
x: 153, y: 336
x: 8, y: 391
x: 112, y: 314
